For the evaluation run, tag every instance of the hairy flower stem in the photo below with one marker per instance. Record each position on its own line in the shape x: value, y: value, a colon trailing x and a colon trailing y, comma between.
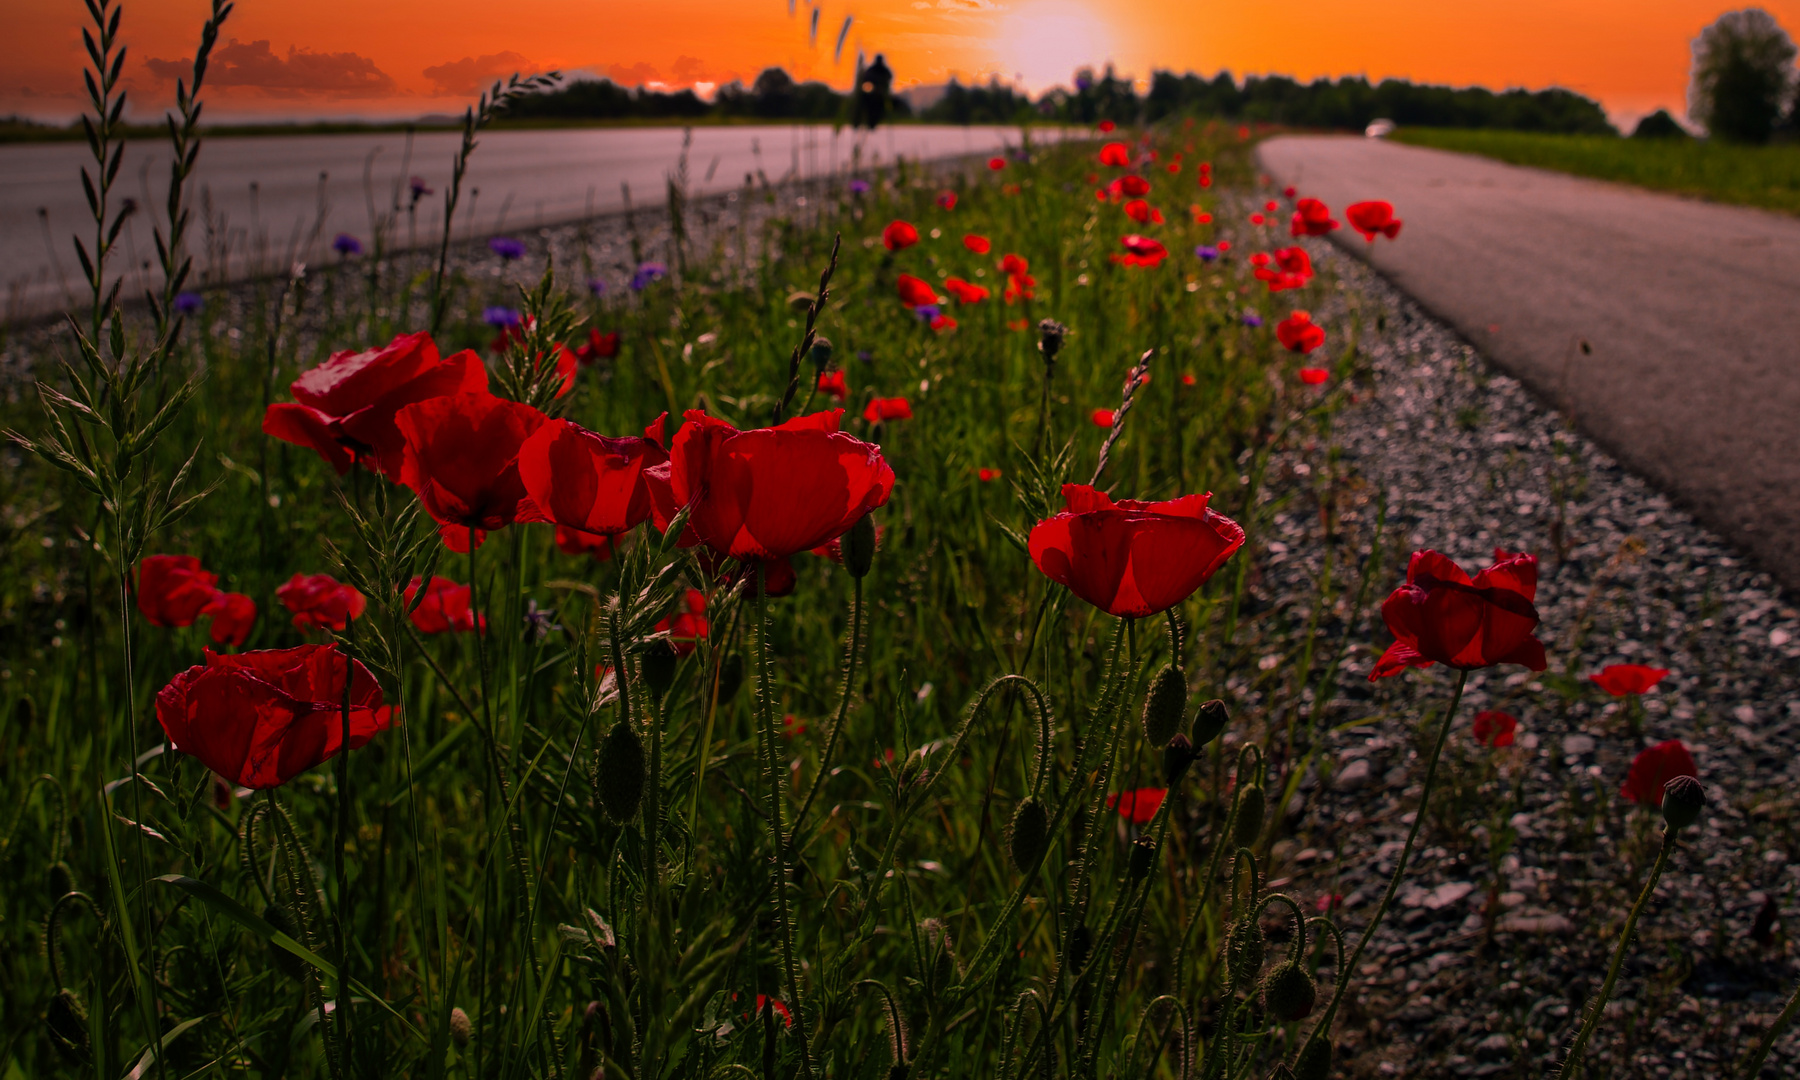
x: 342, y: 905
x: 777, y: 833
x: 1571, y: 1066
x: 1768, y: 1040
x: 837, y: 724
x: 1346, y: 971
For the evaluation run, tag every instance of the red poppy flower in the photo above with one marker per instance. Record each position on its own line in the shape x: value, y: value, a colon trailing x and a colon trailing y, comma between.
x: 1299, y: 333
x: 987, y: 476
x: 1271, y: 206
x: 916, y: 292
x: 1443, y: 616
x: 1130, y: 558
x: 688, y: 627
x: 1014, y: 264
x: 566, y: 366
x: 259, y: 719
x: 996, y: 163
x: 1106, y: 127
x: 1294, y: 260
x: 233, y: 615
x: 345, y: 408
x: 1016, y: 325
x: 1133, y: 186
x: 1115, y: 154
x: 833, y: 384
x: 576, y: 542
x: 1174, y: 167
x: 792, y: 726
x: 1187, y: 379
x: 966, y: 292
x: 887, y: 408
x: 1311, y: 218
x: 899, y: 234
x: 1223, y: 246
x: 1141, y: 251
x: 769, y: 493
x: 1102, y: 418
x: 1654, y: 767
x: 1313, y: 376
x: 941, y: 322
x: 172, y: 590
x: 1139, y: 805
x: 1495, y: 728
x: 445, y: 609
x: 978, y: 244
x: 1201, y: 217
x: 599, y: 347
x: 780, y: 1007
x: 320, y: 601
x: 1288, y: 192
x: 1138, y: 210
x: 462, y: 458
x: 1206, y: 180
x: 1622, y: 679
x: 947, y: 200
x: 1372, y: 218
x: 589, y: 482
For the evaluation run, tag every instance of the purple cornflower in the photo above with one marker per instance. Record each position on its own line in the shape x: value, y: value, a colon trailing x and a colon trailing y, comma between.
x: 345, y: 244
x: 927, y: 312
x: 1084, y: 81
x: 859, y: 187
x: 501, y: 317
x: 188, y: 302
x: 1252, y: 319
x: 1207, y: 252
x: 650, y: 271
x: 596, y: 286
x: 865, y: 356
x: 506, y: 247
x: 419, y: 188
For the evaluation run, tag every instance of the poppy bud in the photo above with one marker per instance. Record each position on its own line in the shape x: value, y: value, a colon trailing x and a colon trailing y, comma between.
x: 1050, y: 339
x: 1164, y: 704
x: 1209, y: 721
x: 62, y: 880
x: 858, y: 547
x: 1683, y: 799
x: 1142, y: 859
x: 821, y: 353
x: 1289, y: 993
x: 1250, y: 816
x: 620, y: 772
x: 460, y: 1028
x: 66, y: 1017
x: 1244, y: 950
x: 1314, y: 1062
x: 1029, y: 834
x: 731, y: 677
x: 1177, y: 756
x: 282, y: 919
x: 658, y: 666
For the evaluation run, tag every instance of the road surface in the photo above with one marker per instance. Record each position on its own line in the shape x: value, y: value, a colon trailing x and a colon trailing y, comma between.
x: 1690, y: 312
x: 272, y: 199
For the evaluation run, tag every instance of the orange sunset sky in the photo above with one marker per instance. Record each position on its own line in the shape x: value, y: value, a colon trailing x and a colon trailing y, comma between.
x: 394, y: 58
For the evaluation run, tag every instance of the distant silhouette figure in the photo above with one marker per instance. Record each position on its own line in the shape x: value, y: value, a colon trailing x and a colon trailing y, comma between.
x: 872, y: 88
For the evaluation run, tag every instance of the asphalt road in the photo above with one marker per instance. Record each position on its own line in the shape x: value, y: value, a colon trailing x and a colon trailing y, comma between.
x: 262, y: 202
x: 1690, y: 311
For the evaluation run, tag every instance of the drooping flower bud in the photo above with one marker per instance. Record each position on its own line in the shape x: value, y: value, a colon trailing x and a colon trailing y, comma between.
x: 1683, y: 799
x: 1250, y: 816
x: 619, y: 772
x: 1029, y: 834
x: 1244, y: 951
x: 1289, y: 993
x: 62, y: 880
x: 1177, y: 756
x: 1142, y: 859
x: 1209, y: 721
x: 1314, y: 1062
x: 658, y: 665
x: 67, y: 1021
x: 1164, y: 704
x: 858, y: 547
x: 460, y: 1028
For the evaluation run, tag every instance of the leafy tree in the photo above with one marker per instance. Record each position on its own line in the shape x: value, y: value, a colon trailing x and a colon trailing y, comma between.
x: 1659, y: 125
x: 1743, y: 76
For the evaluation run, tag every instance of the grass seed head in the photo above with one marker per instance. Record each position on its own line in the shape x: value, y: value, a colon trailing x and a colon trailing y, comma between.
x: 460, y: 1028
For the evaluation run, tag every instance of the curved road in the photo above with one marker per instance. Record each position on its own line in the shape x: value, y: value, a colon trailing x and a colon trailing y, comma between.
x: 1690, y: 313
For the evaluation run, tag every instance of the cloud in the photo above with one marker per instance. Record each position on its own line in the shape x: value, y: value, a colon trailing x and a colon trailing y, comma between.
x: 967, y: 5
x: 686, y: 69
x: 633, y: 74
x: 472, y: 73
x: 254, y: 65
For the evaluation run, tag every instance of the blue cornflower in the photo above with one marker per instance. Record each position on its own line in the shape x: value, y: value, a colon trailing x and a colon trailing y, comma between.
x: 650, y: 271
x: 188, y: 302
x: 345, y: 244
x: 506, y: 247
x: 1252, y: 319
x: 1207, y: 252
x: 596, y: 286
x: 859, y: 187
x: 500, y: 316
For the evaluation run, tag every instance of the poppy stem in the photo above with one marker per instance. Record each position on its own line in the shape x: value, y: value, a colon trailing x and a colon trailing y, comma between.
x: 837, y: 724
x: 341, y: 906
x: 1754, y: 1069
x: 777, y: 834
x: 1571, y: 1066
x: 1322, y: 1030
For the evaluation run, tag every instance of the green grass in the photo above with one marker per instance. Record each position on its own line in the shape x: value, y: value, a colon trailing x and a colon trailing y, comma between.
x: 1764, y: 176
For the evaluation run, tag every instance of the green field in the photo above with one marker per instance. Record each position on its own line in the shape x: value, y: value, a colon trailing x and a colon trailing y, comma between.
x: 1765, y: 176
